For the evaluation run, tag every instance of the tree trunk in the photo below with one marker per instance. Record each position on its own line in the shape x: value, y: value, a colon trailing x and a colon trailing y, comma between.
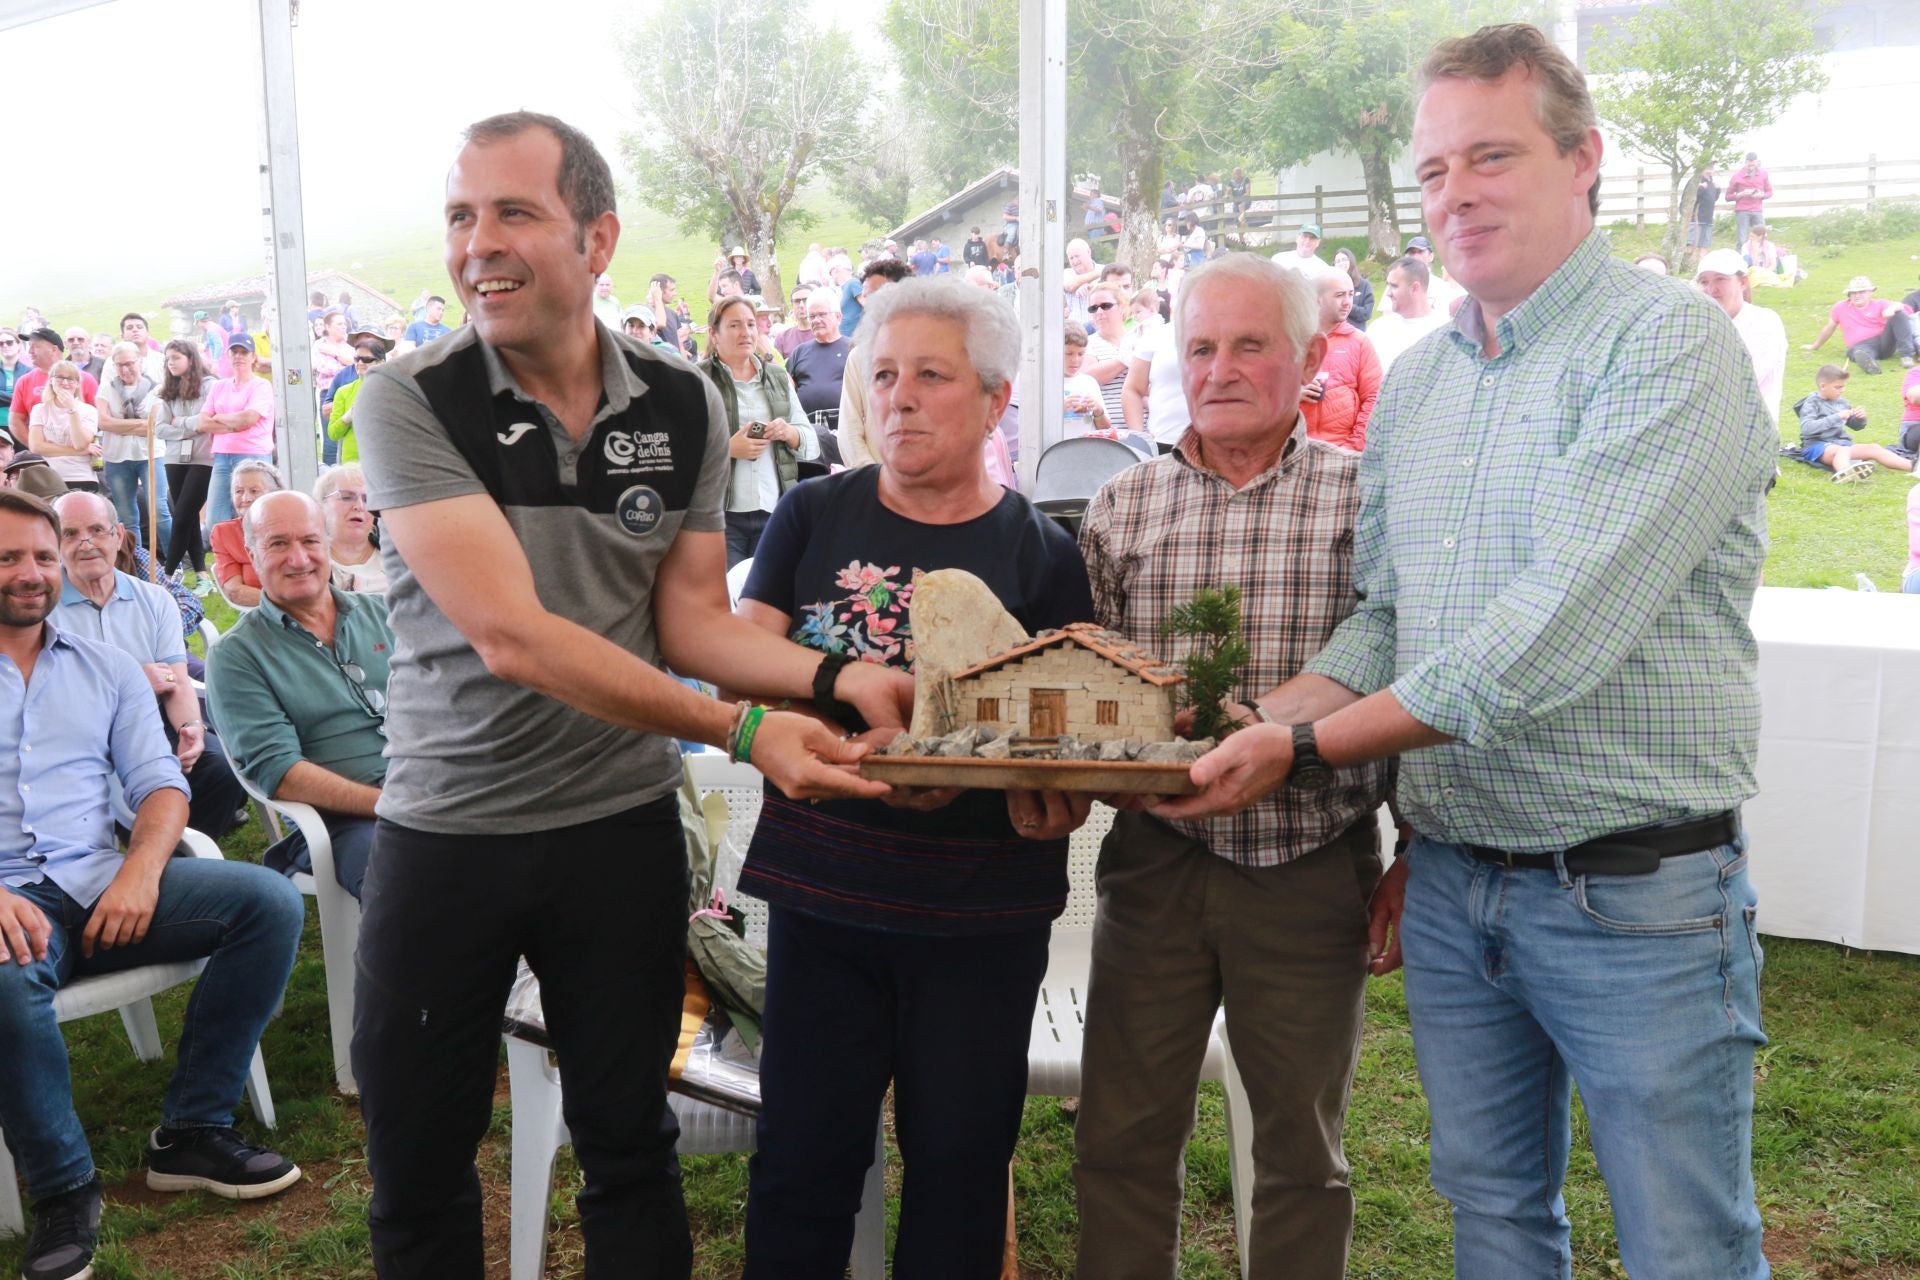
x: 1672, y: 244
x: 760, y: 258
x: 1140, y: 170
x: 1383, y: 222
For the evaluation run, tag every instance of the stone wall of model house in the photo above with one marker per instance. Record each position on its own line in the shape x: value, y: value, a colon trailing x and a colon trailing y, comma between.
x: 1067, y: 690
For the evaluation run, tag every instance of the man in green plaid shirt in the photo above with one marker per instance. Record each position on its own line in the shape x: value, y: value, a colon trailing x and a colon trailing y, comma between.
x: 1562, y: 525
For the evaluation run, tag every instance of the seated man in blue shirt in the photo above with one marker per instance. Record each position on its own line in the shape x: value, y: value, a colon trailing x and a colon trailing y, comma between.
x: 301, y: 684
x: 74, y: 713
x: 102, y: 603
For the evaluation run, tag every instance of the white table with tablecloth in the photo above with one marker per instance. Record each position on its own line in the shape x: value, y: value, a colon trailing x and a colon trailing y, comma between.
x: 1836, y: 827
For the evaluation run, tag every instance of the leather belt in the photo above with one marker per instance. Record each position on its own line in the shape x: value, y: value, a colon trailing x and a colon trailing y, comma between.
x: 1636, y: 852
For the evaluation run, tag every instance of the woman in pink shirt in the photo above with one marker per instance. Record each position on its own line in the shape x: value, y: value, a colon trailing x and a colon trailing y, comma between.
x: 240, y: 410
x: 1911, y: 584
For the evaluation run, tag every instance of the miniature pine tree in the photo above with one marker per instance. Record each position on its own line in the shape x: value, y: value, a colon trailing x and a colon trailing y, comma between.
x: 1212, y: 619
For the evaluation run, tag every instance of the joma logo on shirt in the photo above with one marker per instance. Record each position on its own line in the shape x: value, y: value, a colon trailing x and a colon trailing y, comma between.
x: 513, y: 434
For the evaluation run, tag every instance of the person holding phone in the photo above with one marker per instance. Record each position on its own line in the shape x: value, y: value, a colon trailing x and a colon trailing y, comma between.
x: 765, y: 449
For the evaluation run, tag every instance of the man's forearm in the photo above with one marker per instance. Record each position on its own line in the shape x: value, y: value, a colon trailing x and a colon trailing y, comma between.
x: 157, y: 825
x: 1373, y: 728
x: 1306, y: 698
x: 309, y: 783
x: 183, y: 704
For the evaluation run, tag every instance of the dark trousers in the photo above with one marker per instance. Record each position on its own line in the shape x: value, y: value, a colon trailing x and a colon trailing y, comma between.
x: 743, y: 534
x: 1894, y: 340
x: 947, y: 1020
x: 600, y: 912
x: 187, y: 493
x: 351, y: 840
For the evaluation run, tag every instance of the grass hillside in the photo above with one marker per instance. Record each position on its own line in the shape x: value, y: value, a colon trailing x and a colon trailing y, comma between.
x: 1823, y: 533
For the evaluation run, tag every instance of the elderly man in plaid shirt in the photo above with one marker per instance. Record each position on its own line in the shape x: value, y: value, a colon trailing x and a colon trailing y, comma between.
x: 1562, y: 526
x: 1267, y: 908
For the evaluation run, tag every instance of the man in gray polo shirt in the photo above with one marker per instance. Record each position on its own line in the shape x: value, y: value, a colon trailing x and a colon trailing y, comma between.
x: 553, y: 494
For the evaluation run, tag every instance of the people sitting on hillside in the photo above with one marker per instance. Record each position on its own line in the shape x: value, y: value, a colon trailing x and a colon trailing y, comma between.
x: 1826, y: 418
x: 1873, y: 328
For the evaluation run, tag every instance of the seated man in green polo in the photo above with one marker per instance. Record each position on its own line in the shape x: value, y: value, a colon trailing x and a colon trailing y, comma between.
x: 301, y: 682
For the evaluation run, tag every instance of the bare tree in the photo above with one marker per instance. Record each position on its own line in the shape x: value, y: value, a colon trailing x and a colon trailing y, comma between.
x: 744, y: 100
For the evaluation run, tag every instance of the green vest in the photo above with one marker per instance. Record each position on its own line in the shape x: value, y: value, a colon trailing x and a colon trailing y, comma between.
x: 779, y: 392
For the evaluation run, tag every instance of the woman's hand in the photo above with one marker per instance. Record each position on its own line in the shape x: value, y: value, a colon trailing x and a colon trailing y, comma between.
x: 1047, y: 815
x: 783, y: 431
x: 742, y: 447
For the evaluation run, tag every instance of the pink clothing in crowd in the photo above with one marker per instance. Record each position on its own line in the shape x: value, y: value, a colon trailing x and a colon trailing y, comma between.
x: 229, y: 396
x: 1748, y: 187
x: 1861, y: 324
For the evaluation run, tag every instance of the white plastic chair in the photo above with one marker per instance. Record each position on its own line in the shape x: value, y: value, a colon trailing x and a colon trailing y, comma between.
x: 339, y: 919
x: 1059, y: 1019
x: 131, y: 991
x: 539, y: 1131
x: 209, y: 636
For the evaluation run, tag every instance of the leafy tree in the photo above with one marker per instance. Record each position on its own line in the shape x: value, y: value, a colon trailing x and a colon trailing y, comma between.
x: 1146, y: 80
x: 1678, y: 82
x: 1345, y: 83
x: 744, y: 101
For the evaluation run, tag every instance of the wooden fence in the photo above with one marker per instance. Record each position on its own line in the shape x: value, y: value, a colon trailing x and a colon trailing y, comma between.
x: 1641, y: 198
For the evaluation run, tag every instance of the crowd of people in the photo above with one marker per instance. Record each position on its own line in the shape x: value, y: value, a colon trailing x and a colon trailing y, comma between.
x: 489, y: 731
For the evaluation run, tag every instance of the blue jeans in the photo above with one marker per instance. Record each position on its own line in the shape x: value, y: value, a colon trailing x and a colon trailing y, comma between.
x: 243, y: 918
x: 220, y: 488
x: 126, y: 484
x: 1910, y: 584
x: 1644, y: 991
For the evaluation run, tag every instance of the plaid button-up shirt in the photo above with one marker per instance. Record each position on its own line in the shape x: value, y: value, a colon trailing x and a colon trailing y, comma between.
x: 1159, y: 532
x: 1557, y: 548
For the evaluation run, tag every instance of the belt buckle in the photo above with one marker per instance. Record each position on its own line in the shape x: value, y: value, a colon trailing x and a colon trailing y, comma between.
x: 1508, y: 855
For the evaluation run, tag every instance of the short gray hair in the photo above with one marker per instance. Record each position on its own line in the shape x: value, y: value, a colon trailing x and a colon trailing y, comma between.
x: 333, y: 475
x: 247, y: 529
x: 257, y: 466
x: 992, y: 331
x: 1297, y: 298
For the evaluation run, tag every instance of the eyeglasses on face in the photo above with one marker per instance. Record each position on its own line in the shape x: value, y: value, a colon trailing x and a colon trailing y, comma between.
x: 1101, y: 306
x: 366, y: 359
x: 65, y: 377
x: 347, y: 497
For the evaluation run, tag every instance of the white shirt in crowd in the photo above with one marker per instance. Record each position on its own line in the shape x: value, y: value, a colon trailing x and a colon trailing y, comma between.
x: 1312, y: 266
x: 1167, y: 416
x: 1392, y: 334
x: 1766, y: 339
x: 755, y: 484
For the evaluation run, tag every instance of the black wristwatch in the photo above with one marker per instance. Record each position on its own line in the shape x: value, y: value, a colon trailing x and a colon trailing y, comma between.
x: 1309, y: 772
x: 825, y: 703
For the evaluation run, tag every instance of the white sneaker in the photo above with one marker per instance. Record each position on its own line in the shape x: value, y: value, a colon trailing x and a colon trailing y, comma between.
x: 1853, y: 474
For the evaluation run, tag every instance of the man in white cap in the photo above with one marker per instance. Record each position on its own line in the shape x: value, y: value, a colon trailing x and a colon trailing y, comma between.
x: 1873, y: 328
x: 1722, y: 275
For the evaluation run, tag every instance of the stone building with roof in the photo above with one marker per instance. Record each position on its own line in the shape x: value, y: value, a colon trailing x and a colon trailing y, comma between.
x: 370, y: 306
x: 1081, y: 681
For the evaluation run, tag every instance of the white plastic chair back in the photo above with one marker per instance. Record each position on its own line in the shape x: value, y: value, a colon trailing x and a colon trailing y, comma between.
x: 737, y: 581
x: 1077, y: 468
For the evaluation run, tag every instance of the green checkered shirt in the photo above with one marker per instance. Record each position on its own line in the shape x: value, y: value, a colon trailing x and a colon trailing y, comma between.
x: 1557, y: 548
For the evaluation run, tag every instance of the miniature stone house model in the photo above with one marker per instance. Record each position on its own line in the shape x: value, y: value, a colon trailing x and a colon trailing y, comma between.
x: 1082, y: 681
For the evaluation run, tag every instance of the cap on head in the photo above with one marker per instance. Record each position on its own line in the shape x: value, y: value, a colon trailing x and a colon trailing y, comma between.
x: 1310, y: 229
x: 736, y: 254
x: 198, y: 316
x: 241, y: 342
x: 1727, y: 262
x: 1421, y: 243
x: 45, y: 333
x: 642, y: 312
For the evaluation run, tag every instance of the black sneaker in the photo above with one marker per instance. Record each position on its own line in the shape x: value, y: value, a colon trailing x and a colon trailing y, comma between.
x: 65, y: 1229
x: 216, y: 1160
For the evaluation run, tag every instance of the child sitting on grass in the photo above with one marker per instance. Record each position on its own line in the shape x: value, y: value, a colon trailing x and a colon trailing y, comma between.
x: 1825, y: 420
